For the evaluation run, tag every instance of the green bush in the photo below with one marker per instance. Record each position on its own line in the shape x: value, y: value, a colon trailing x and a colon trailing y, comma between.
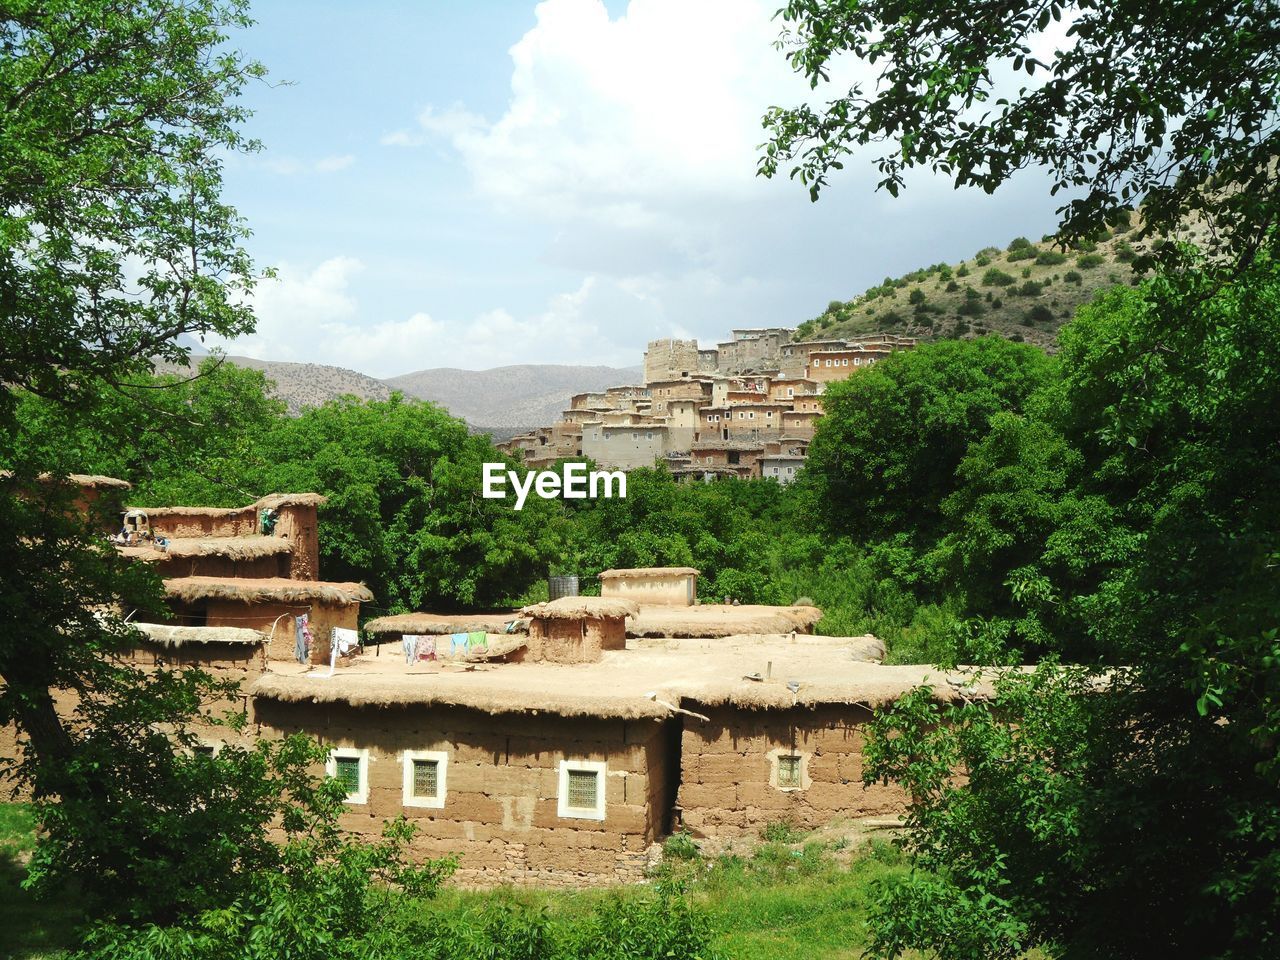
x: 1038, y: 314
x: 680, y: 846
x: 963, y: 271
x: 995, y: 277
x: 952, y: 286
x: 1030, y: 288
x: 972, y: 308
x: 1050, y: 258
x: 982, y: 259
x: 1023, y: 253
x: 1073, y: 277
x: 1018, y: 243
x: 1089, y: 261
x: 1125, y: 252
x: 916, y: 297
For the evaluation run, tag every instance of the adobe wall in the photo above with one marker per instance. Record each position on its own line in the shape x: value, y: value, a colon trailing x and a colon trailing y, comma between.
x: 574, y: 641
x: 175, y: 522
x: 277, y: 621
x: 500, y: 809
x: 679, y: 591
x: 729, y: 767
x: 299, y: 524
x: 257, y: 568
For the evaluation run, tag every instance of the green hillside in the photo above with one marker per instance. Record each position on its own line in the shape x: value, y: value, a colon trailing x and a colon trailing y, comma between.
x: 1025, y: 291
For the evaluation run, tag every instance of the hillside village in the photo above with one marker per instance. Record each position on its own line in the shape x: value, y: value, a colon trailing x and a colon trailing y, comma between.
x: 745, y: 408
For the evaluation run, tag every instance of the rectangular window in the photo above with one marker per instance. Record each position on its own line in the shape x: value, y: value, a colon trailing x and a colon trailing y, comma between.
x: 788, y: 771
x: 581, y: 794
x: 350, y: 768
x: 424, y: 778
x: 204, y: 750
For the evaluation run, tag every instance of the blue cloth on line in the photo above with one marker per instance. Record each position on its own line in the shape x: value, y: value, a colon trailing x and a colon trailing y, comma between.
x: 457, y: 641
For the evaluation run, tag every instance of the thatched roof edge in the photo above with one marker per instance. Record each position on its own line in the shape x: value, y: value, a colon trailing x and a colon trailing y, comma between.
x: 581, y: 608
x: 277, y: 590
x: 442, y: 623
x: 411, y: 690
x: 175, y: 636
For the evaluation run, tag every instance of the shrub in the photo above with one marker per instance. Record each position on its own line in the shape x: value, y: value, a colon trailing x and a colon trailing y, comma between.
x: 1030, y: 288
x: 962, y: 271
x: 1125, y: 252
x: 982, y: 259
x: 781, y: 831
x: 1040, y: 314
x: 1073, y: 277
x: 1088, y: 261
x: 1050, y: 258
x: 1023, y: 253
x: 995, y: 277
x: 952, y: 286
x: 680, y: 846
x: 997, y: 303
x: 1018, y: 243
x: 972, y: 308
x: 916, y: 297
x: 1026, y: 272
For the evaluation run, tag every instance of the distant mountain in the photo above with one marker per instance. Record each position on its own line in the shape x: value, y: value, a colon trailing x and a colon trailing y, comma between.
x: 505, y: 400
x: 306, y: 384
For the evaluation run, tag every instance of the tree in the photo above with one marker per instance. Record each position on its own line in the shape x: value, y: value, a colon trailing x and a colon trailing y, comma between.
x: 114, y: 242
x: 115, y: 239
x: 1170, y: 108
x: 886, y: 451
x: 1136, y: 513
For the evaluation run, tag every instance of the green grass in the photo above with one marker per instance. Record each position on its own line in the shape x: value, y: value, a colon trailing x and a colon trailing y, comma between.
x: 29, y: 928
x: 783, y: 901
x: 790, y: 898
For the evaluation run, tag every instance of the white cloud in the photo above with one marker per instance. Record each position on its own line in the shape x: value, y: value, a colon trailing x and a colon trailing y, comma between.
x: 619, y: 118
x: 312, y: 315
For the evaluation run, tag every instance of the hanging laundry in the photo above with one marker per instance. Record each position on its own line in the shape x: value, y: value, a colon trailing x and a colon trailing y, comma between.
x: 410, y: 644
x: 477, y: 640
x: 426, y: 648
x: 301, y: 638
x: 346, y: 640
x: 457, y: 643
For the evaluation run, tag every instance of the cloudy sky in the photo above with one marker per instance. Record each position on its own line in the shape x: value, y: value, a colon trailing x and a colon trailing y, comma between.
x: 474, y: 185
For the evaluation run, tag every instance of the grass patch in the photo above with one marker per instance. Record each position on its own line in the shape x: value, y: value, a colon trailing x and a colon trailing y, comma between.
x: 29, y: 928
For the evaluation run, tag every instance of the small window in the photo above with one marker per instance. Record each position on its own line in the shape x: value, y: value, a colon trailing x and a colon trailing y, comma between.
x: 351, y: 769
x: 424, y: 778
x: 204, y: 750
x: 581, y: 793
x: 789, y: 771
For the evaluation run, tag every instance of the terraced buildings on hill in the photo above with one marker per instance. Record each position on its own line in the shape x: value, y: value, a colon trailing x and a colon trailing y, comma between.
x: 746, y: 408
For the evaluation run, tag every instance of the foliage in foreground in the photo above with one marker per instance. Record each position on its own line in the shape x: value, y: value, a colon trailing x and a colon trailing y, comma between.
x: 1132, y: 812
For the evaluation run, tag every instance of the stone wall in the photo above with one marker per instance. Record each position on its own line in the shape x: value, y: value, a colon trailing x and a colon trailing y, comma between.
x: 500, y: 813
x: 669, y: 359
x: 729, y: 769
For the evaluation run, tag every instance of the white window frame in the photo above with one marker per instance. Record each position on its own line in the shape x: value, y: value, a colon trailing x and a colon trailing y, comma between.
x: 441, y: 759
x: 361, y: 795
x: 600, y: 769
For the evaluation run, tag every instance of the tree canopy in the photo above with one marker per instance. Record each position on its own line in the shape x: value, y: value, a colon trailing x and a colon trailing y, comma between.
x: 1124, y: 103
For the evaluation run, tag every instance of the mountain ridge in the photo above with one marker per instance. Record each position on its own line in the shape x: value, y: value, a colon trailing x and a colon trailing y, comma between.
x: 503, y: 401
